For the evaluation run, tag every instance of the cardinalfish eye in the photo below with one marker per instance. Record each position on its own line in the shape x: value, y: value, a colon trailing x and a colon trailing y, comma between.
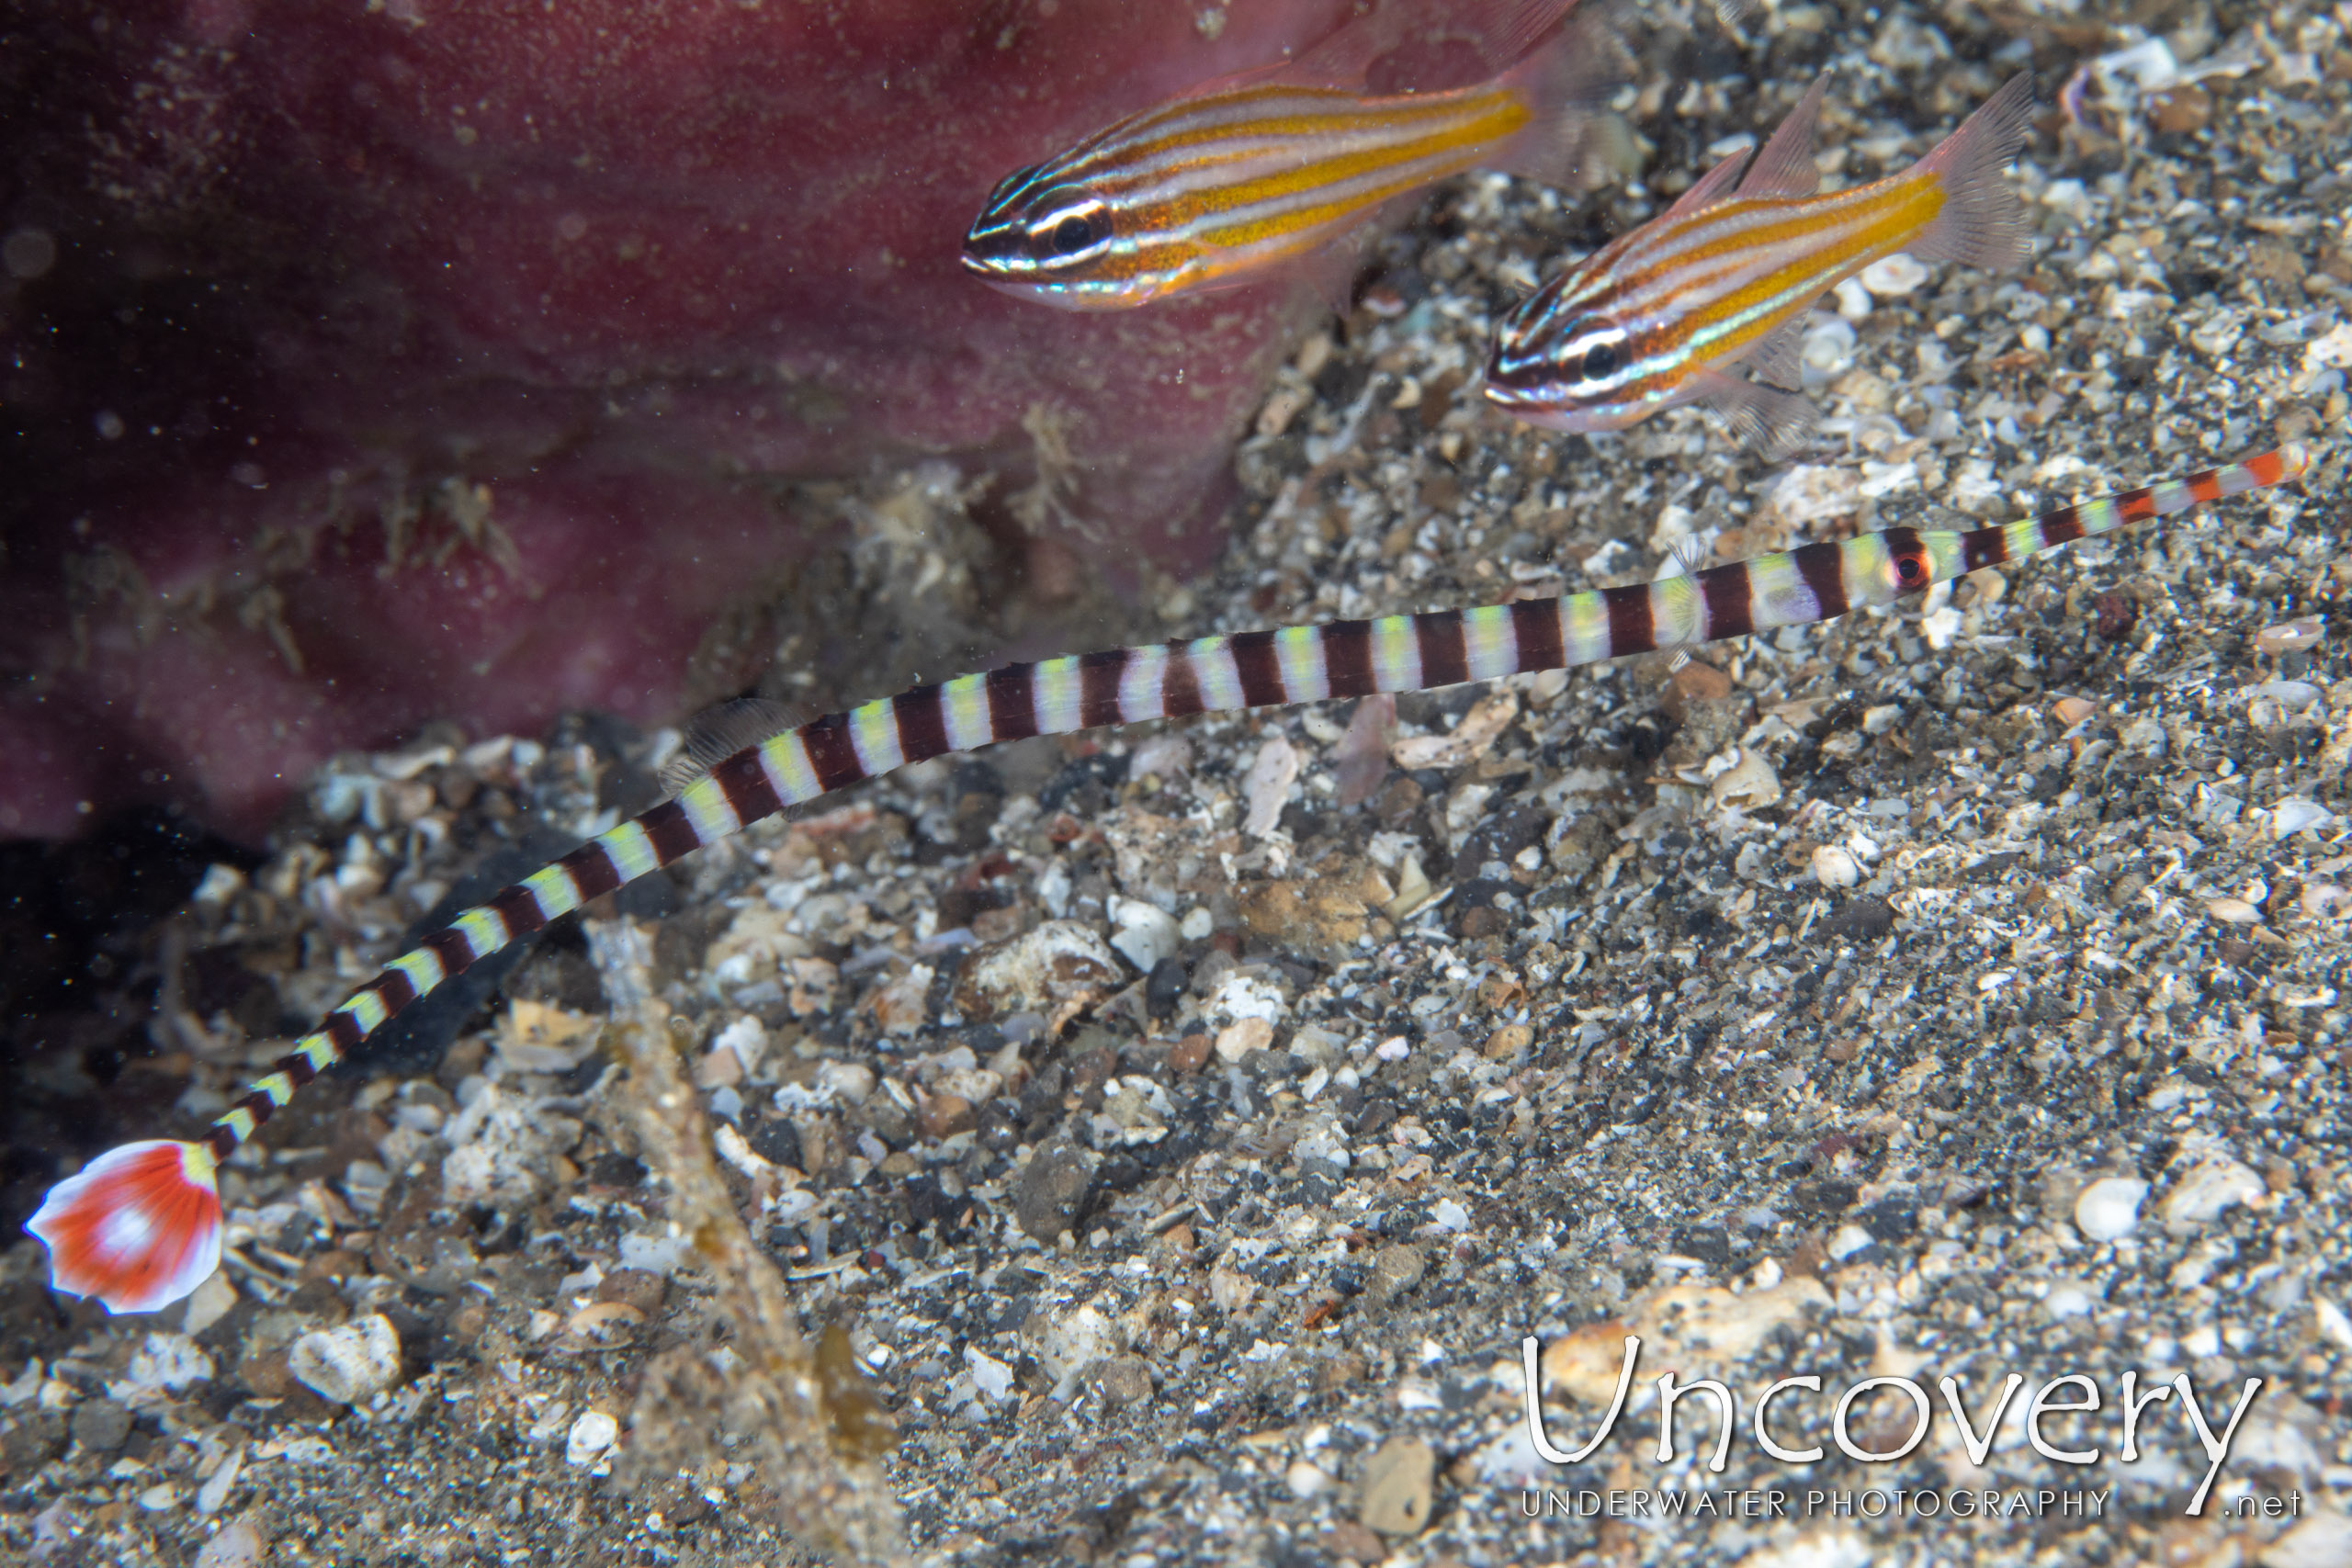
x: 1595, y: 350
x: 1066, y: 232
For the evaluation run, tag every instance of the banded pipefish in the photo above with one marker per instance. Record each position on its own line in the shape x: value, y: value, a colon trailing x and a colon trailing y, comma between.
x: 140, y: 1227
x: 1723, y: 279
x: 1282, y: 167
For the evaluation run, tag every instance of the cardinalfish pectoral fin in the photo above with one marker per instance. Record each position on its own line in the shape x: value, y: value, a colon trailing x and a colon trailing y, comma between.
x: 1770, y: 420
x: 1778, y: 360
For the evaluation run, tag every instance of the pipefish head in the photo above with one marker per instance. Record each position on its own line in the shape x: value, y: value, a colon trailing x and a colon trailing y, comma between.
x: 1565, y: 358
x: 1048, y: 237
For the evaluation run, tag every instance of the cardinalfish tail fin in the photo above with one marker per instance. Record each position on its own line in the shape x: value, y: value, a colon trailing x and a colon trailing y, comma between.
x: 140, y: 1227
x: 1564, y: 79
x: 1982, y: 223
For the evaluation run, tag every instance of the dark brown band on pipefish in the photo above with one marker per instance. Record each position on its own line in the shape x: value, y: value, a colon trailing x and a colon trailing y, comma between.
x: 1446, y: 657
x: 1098, y: 687
x: 921, y: 714
x: 1633, y: 624
x: 671, y: 831
x: 592, y: 871
x: 1012, y: 702
x: 1257, y: 669
x: 1731, y: 608
x: 1535, y: 626
x: 1347, y: 659
x: 1982, y: 547
x: 1823, y: 567
x: 1179, y: 685
x: 743, y: 779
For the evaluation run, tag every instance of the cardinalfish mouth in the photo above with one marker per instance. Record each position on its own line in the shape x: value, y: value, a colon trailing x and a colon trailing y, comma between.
x: 140, y: 1227
x: 1722, y: 280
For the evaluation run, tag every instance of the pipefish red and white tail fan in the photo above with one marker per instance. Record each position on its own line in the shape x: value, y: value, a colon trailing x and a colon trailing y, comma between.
x: 140, y: 1227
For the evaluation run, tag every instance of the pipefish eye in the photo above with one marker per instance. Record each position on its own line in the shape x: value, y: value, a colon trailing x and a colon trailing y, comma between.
x: 1911, y: 568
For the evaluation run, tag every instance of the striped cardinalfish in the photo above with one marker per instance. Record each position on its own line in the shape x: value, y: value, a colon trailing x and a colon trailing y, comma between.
x: 1285, y: 166
x: 140, y: 1226
x: 1725, y: 276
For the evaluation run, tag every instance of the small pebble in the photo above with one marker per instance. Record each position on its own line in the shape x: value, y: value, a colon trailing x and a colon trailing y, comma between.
x: 1834, y: 867
x: 1891, y: 277
x: 1399, y: 1485
x: 350, y: 1363
x: 1143, y: 933
x: 1053, y: 1190
x: 210, y: 1304
x: 1124, y: 1380
x: 100, y: 1425
x: 213, y: 1496
x: 2109, y: 1208
x: 1396, y: 1268
x: 2291, y: 817
x: 238, y: 1545
x: 2201, y: 1197
x: 1305, y: 1481
x: 2071, y: 711
x: 2067, y: 1298
x: 1238, y: 1039
x: 1270, y: 776
x: 591, y: 1437
x: 2291, y: 636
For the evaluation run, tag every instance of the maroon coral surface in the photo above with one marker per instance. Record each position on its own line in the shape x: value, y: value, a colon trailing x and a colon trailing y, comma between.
x: 367, y: 365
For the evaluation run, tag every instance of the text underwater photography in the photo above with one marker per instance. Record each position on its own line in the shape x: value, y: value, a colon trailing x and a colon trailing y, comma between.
x: 1901, y: 1422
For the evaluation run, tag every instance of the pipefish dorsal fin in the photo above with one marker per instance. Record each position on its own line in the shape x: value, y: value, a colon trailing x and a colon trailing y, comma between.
x: 718, y: 733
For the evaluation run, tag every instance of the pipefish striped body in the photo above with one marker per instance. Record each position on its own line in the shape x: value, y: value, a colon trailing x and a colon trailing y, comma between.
x: 140, y: 1227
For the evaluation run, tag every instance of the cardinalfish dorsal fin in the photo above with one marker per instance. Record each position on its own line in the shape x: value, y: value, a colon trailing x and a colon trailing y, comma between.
x: 140, y: 1227
x: 1785, y: 166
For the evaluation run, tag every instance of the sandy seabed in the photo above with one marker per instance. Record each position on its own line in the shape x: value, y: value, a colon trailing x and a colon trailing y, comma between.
x: 1936, y: 995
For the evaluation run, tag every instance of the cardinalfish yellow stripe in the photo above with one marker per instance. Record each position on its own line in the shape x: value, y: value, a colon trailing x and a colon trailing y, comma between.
x: 140, y: 1227
x: 1724, y: 278
x: 1238, y: 177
